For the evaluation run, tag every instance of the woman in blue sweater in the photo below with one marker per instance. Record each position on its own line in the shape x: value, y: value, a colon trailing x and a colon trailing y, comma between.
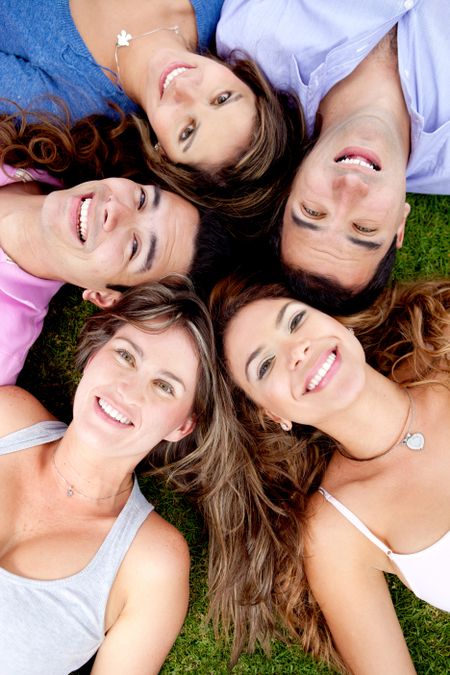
x: 213, y: 124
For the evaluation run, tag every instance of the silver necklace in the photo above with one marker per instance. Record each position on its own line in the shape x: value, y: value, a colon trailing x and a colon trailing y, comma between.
x: 124, y: 38
x: 414, y: 440
x: 70, y: 491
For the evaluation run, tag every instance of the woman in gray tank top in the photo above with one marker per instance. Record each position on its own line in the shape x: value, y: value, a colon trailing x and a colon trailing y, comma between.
x: 86, y: 565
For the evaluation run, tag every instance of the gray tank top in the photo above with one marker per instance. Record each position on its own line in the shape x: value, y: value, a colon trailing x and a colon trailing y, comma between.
x: 53, y: 627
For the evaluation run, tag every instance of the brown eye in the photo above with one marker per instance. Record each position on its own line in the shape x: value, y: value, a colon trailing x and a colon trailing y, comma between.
x: 312, y: 212
x: 222, y: 98
x: 296, y: 321
x: 364, y: 230
x: 142, y: 199
x: 187, y: 131
x: 264, y: 368
x: 134, y: 247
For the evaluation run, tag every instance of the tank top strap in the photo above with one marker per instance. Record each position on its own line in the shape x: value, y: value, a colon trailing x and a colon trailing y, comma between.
x: 354, y: 520
x: 120, y: 537
x: 41, y: 432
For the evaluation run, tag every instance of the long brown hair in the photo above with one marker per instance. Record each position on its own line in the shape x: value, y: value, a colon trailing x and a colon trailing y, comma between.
x: 256, y: 182
x: 93, y: 148
x: 258, y: 519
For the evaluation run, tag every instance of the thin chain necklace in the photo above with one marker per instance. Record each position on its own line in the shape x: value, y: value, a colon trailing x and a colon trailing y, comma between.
x: 124, y: 38
x: 70, y: 491
x: 414, y: 440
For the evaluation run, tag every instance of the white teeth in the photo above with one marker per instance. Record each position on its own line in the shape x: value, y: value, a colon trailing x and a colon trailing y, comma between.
x: 82, y: 223
x: 323, y: 370
x: 172, y: 75
x: 112, y: 412
x: 358, y: 161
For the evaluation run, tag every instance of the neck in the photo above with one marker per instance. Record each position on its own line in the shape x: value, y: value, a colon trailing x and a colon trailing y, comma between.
x: 374, y: 87
x: 84, y: 474
x: 99, y: 23
x: 135, y: 72
x: 373, y: 422
x: 20, y: 209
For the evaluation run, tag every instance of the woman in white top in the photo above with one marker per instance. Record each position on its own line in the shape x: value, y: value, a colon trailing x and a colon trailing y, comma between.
x: 346, y: 470
x: 85, y: 563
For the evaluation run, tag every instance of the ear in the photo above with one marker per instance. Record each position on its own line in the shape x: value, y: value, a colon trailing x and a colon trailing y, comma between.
x: 284, y: 423
x: 103, y: 299
x: 186, y: 428
x: 401, y: 227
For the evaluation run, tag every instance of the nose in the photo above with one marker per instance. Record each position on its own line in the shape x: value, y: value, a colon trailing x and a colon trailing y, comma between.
x: 114, y: 214
x: 349, y: 186
x: 131, y: 387
x: 184, y: 89
x: 297, y: 353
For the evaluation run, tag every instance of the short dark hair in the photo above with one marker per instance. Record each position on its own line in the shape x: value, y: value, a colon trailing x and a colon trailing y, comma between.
x: 329, y: 296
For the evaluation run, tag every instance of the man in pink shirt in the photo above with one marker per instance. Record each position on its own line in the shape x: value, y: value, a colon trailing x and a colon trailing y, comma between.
x: 101, y: 235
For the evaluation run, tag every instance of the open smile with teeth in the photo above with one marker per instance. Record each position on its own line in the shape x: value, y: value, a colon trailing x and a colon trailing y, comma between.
x: 359, y: 161
x: 82, y: 226
x: 323, y: 370
x: 113, y: 413
x: 172, y: 75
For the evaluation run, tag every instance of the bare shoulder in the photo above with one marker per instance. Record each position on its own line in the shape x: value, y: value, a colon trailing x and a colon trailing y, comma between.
x: 159, y: 552
x: 19, y: 409
x: 333, y: 541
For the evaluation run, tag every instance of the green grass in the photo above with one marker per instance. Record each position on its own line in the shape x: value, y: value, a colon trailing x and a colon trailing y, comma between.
x: 49, y: 375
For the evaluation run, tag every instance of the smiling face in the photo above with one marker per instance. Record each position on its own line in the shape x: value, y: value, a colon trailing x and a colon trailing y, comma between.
x: 295, y: 362
x: 202, y: 114
x: 346, y: 204
x: 115, y: 231
x: 137, y: 390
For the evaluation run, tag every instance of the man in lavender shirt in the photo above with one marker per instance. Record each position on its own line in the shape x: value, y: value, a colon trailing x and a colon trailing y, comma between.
x: 372, y: 78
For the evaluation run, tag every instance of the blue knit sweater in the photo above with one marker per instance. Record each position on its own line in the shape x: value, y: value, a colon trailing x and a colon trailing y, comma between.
x: 42, y: 53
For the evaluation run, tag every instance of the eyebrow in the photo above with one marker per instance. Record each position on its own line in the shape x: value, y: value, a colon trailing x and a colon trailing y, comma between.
x: 156, y: 196
x: 150, y: 255
x: 232, y: 99
x: 278, y: 321
x: 133, y: 344
x: 305, y: 224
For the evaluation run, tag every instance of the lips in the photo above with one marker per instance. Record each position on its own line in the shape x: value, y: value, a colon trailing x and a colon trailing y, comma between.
x: 170, y: 73
x: 359, y: 157
x: 317, y: 377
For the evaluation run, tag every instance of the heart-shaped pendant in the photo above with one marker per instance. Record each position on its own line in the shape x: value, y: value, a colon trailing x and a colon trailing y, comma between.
x: 414, y: 441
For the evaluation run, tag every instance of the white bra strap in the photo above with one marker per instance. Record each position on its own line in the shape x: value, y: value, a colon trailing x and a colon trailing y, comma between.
x: 354, y: 520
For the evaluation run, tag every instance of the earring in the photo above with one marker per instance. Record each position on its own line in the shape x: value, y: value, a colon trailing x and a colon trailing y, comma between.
x: 350, y: 330
x: 157, y: 147
x: 286, y: 426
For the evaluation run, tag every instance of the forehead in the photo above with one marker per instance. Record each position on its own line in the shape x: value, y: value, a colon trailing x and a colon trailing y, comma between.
x: 251, y: 323
x: 173, y: 346
x: 319, y: 253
